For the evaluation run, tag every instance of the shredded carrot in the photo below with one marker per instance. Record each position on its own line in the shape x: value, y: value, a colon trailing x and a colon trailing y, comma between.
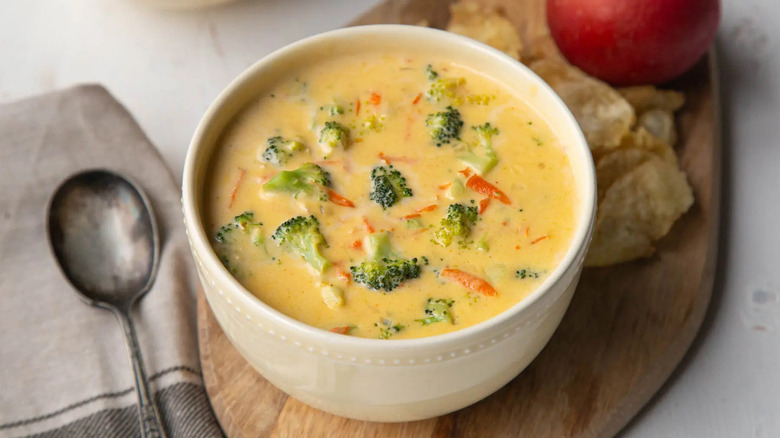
x: 465, y: 172
x: 357, y: 244
x: 417, y: 99
x: 517, y: 247
x: 344, y: 164
x: 469, y: 281
x: 340, y: 330
x: 391, y: 160
x: 376, y: 98
x: 339, y: 200
x: 409, y: 125
x: 346, y: 276
x: 420, y: 210
x: 241, y: 174
x: 539, y: 239
x: 369, y: 228
x: 444, y: 186
x: 505, y: 223
x: 527, y: 230
x: 357, y: 107
x: 483, y: 205
x: 479, y: 185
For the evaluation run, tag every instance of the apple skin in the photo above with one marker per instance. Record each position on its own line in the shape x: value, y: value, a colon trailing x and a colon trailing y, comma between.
x: 632, y: 42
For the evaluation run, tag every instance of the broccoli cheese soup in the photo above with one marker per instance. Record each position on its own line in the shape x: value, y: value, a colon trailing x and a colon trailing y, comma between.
x: 389, y: 196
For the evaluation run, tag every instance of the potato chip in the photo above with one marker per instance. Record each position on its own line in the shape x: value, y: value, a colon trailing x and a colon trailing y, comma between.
x: 602, y: 113
x: 614, y: 241
x: 485, y: 25
x: 641, y: 138
x: 639, y: 208
x: 647, y: 97
x: 636, y: 148
x: 660, y: 124
x: 617, y: 163
x: 542, y: 46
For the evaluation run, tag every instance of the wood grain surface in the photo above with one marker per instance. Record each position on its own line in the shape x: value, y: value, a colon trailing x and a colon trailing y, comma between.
x: 626, y: 329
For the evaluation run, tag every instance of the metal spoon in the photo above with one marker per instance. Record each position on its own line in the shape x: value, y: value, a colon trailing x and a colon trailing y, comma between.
x: 104, y: 237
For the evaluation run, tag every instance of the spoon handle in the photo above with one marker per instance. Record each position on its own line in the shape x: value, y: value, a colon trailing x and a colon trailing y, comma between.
x: 151, y: 426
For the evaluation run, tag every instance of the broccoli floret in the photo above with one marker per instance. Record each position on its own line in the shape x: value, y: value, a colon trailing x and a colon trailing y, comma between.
x: 485, y: 134
x: 310, y: 179
x: 241, y: 226
x: 244, y: 222
x: 440, y: 87
x: 526, y: 273
x: 484, y: 162
x: 437, y: 310
x: 228, y: 265
x: 302, y: 235
x: 389, y: 331
x: 333, y: 135
x: 445, y: 126
x: 443, y: 87
x: 374, y: 122
x: 388, y: 186
x: 279, y: 150
x: 383, y: 269
x: 457, y: 223
x: 385, y: 274
x: 480, y: 99
x: 431, y: 73
x: 333, y: 110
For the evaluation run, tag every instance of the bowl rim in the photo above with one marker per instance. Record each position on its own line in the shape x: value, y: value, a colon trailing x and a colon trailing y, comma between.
x: 210, y: 262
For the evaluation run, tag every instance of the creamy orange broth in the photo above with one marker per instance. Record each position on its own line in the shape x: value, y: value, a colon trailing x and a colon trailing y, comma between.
x: 512, y: 247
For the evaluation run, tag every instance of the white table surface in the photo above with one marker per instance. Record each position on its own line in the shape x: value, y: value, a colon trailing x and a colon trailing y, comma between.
x: 166, y: 67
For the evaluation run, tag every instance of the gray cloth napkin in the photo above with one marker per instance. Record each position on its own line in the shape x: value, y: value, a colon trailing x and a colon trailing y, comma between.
x: 64, y: 367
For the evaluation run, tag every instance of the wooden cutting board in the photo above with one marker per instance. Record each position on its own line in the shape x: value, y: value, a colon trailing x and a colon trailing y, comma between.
x: 626, y: 330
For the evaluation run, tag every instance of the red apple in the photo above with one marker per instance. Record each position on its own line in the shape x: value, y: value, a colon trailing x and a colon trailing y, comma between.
x: 630, y: 42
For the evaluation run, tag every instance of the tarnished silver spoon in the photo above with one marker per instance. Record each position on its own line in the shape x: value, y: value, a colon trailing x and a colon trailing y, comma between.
x: 103, y: 234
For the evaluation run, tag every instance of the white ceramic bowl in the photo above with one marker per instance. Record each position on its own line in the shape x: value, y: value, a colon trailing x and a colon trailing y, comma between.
x: 371, y: 379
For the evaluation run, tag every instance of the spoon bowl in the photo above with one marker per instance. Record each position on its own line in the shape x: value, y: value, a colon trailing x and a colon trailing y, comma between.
x: 103, y: 235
